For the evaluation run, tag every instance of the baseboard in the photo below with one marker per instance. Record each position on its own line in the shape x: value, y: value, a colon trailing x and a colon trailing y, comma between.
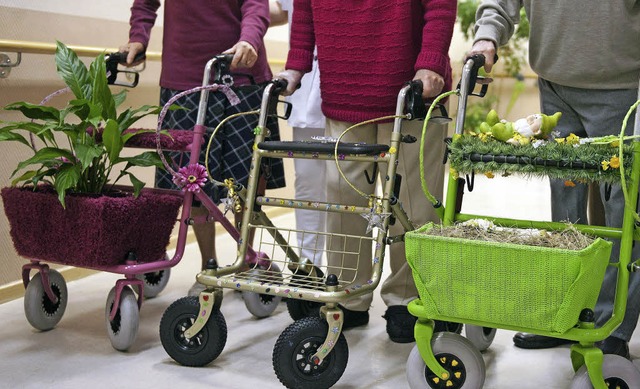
x: 15, y: 290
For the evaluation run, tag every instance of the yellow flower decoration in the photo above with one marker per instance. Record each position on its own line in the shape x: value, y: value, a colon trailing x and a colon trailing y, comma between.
x: 573, y: 139
x: 456, y: 136
x: 614, y: 162
x: 489, y: 174
x: 454, y: 173
x: 605, y: 165
x: 560, y: 140
x: 392, y: 150
x: 484, y: 136
x: 569, y: 183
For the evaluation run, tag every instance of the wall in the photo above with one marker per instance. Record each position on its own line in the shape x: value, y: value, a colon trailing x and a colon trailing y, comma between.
x: 104, y: 23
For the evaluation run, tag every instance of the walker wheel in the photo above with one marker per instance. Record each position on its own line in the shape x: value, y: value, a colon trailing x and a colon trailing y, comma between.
x: 481, y: 337
x: 199, y: 350
x: 41, y: 313
x: 123, y: 329
x: 618, y: 372
x: 295, y: 347
x: 258, y: 304
x: 456, y: 354
x: 155, y: 282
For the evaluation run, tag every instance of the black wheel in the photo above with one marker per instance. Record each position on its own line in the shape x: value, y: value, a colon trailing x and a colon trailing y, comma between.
x: 123, y: 329
x: 41, y: 313
x: 294, y: 349
x: 299, y: 309
x: 262, y: 305
x: 457, y: 355
x: 203, y: 348
x: 618, y: 372
x: 155, y: 282
x: 447, y: 326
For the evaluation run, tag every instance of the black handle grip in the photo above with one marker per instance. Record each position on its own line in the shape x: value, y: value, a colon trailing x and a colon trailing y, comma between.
x: 113, y: 60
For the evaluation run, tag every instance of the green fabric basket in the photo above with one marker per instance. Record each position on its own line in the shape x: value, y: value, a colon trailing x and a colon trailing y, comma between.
x: 505, y: 284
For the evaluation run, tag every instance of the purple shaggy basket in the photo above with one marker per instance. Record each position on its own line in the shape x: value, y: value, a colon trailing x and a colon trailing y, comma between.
x: 91, y: 231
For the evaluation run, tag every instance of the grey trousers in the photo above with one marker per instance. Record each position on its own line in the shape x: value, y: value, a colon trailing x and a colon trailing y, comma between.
x: 592, y: 113
x: 398, y: 288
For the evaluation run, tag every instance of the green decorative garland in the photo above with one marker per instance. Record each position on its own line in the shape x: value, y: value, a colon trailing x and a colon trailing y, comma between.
x: 573, y: 161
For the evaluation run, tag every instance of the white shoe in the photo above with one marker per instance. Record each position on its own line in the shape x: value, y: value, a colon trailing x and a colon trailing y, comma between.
x: 196, y: 288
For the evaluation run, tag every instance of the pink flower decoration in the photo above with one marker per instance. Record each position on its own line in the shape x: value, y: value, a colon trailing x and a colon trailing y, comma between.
x: 191, y: 177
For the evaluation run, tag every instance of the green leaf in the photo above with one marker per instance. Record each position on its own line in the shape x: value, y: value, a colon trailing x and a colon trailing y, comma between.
x: 26, y: 176
x: 101, y: 93
x: 73, y: 71
x: 34, y: 111
x: 137, y: 185
x: 66, y: 178
x: 45, y: 155
x: 146, y: 159
x: 112, y: 140
x: 86, y: 153
x: 119, y: 97
x: 12, y: 136
x: 79, y: 107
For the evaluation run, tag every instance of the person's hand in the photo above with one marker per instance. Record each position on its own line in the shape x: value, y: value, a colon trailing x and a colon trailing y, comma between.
x: 293, y: 78
x: 432, y: 82
x: 244, y: 55
x: 486, y: 48
x: 132, y: 49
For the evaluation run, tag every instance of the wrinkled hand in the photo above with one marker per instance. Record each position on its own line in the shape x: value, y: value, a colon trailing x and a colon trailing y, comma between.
x: 244, y: 55
x: 132, y: 48
x: 486, y: 48
x: 432, y: 82
x: 293, y: 78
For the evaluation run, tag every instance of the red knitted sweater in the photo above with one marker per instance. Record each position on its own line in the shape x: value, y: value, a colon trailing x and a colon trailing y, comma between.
x: 367, y: 49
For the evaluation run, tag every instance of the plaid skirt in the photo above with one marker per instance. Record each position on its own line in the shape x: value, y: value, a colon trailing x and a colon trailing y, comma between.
x: 231, y: 149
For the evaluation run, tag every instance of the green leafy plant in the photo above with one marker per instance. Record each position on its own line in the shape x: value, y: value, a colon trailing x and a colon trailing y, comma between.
x: 82, y: 142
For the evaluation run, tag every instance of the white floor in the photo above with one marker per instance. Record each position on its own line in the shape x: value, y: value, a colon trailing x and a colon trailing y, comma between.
x: 77, y: 353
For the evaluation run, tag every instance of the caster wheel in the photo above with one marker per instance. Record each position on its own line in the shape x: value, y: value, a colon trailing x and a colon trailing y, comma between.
x: 457, y: 355
x: 447, y: 326
x: 262, y: 305
x: 155, y: 282
x: 618, y: 372
x: 481, y: 337
x: 294, y: 349
x: 123, y: 329
x: 41, y: 313
x: 203, y: 348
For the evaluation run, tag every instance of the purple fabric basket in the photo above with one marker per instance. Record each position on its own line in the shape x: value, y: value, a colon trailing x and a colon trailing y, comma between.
x: 92, y: 230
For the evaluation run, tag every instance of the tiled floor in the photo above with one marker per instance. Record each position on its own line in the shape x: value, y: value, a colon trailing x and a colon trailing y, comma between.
x: 77, y: 353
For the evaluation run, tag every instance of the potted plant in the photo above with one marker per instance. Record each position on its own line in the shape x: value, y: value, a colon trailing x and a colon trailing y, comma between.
x: 62, y: 204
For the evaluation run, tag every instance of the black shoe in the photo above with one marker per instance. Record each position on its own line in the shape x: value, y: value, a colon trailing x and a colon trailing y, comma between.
x: 613, y: 345
x: 531, y: 341
x: 354, y: 318
x: 400, y: 324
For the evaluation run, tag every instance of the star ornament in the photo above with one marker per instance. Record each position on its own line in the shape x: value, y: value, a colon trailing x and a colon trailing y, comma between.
x: 375, y: 219
x: 228, y: 204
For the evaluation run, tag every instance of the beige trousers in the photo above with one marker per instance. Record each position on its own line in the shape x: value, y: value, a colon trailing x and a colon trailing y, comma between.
x: 398, y: 288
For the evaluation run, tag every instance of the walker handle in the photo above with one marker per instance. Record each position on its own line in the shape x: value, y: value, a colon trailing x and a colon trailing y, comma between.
x: 112, y: 63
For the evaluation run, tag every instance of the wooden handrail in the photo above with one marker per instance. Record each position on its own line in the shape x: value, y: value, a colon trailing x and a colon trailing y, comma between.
x: 83, y: 51
x: 50, y: 48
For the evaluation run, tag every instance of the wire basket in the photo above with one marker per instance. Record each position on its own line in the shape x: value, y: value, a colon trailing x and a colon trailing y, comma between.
x: 529, y: 287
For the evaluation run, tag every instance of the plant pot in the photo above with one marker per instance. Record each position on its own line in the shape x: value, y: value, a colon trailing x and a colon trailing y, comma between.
x: 507, y: 285
x: 92, y: 231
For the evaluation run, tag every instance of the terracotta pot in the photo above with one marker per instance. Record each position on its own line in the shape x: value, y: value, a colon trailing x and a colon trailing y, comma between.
x: 92, y: 230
